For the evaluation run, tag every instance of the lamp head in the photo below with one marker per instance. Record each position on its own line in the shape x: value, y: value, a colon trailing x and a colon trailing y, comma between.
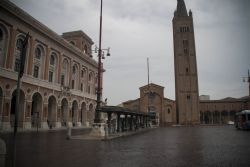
x: 108, y: 53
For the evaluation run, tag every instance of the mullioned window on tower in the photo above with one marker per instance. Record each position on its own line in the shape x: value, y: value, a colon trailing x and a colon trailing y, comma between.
x: 184, y: 29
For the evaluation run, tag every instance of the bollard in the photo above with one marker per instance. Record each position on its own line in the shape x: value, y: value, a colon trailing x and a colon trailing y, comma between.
x: 69, y: 133
x: 2, y: 152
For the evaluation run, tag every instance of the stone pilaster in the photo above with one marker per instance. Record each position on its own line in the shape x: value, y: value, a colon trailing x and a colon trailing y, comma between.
x: 46, y: 69
x: 59, y: 68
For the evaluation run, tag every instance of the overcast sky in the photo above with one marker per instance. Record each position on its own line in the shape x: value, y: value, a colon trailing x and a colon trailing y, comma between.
x: 137, y: 29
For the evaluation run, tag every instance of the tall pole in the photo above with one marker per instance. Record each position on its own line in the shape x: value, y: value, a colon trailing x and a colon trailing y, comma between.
x: 16, y: 119
x: 19, y: 76
x: 249, y: 82
x: 148, y: 87
x: 99, y: 87
x: 148, y: 82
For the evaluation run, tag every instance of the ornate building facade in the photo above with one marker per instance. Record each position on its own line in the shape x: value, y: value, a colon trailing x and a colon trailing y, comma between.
x: 59, y: 83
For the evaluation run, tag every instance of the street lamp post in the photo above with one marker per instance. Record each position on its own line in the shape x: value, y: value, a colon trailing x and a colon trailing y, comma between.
x: 99, y: 86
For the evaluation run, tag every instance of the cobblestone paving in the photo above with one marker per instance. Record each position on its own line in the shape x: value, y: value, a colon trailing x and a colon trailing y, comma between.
x: 172, y: 146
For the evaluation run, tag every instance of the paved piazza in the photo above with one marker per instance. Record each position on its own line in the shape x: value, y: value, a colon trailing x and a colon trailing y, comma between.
x: 172, y: 146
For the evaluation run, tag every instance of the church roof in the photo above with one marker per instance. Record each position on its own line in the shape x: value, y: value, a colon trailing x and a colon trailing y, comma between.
x: 181, y: 9
x: 151, y: 85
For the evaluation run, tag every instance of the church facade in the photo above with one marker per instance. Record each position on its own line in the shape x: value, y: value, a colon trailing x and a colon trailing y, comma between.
x: 152, y: 100
x: 59, y: 83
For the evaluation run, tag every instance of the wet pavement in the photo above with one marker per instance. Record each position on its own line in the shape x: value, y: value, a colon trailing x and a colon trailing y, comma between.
x: 162, y: 147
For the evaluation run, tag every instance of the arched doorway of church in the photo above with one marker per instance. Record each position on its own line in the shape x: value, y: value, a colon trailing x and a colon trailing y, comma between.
x: 51, y: 111
x: 36, y: 109
x: 83, y: 114
x: 64, y: 112
x: 13, y: 108
x: 74, y: 112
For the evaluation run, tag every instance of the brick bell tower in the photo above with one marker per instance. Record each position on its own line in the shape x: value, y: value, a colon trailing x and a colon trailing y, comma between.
x: 186, y: 77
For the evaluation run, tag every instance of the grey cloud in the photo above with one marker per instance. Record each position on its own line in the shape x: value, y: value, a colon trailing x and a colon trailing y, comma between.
x: 137, y: 29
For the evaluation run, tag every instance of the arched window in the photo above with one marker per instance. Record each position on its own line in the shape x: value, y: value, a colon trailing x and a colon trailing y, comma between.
x: 38, y: 61
x: 52, y: 59
x: 90, y: 77
x: 19, y: 44
x: 64, y: 74
x: 52, y: 68
x: 38, y: 53
x: 74, y: 69
x: 72, y: 42
x: 85, y: 49
x: 74, y: 76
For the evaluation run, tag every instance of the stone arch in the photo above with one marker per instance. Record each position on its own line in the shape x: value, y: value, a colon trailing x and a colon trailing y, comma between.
x: 74, y: 112
x: 21, y: 108
x: 36, y: 109
x: 52, y: 108
x: 4, y: 38
x: 83, y: 114
x: 64, y: 111
x: 73, y: 43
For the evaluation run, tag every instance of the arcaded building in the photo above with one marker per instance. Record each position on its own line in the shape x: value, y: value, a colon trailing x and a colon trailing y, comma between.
x: 222, y: 111
x: 59, y: 83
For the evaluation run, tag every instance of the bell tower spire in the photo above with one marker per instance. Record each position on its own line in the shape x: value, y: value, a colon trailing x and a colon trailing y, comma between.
x: 181, y: 10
